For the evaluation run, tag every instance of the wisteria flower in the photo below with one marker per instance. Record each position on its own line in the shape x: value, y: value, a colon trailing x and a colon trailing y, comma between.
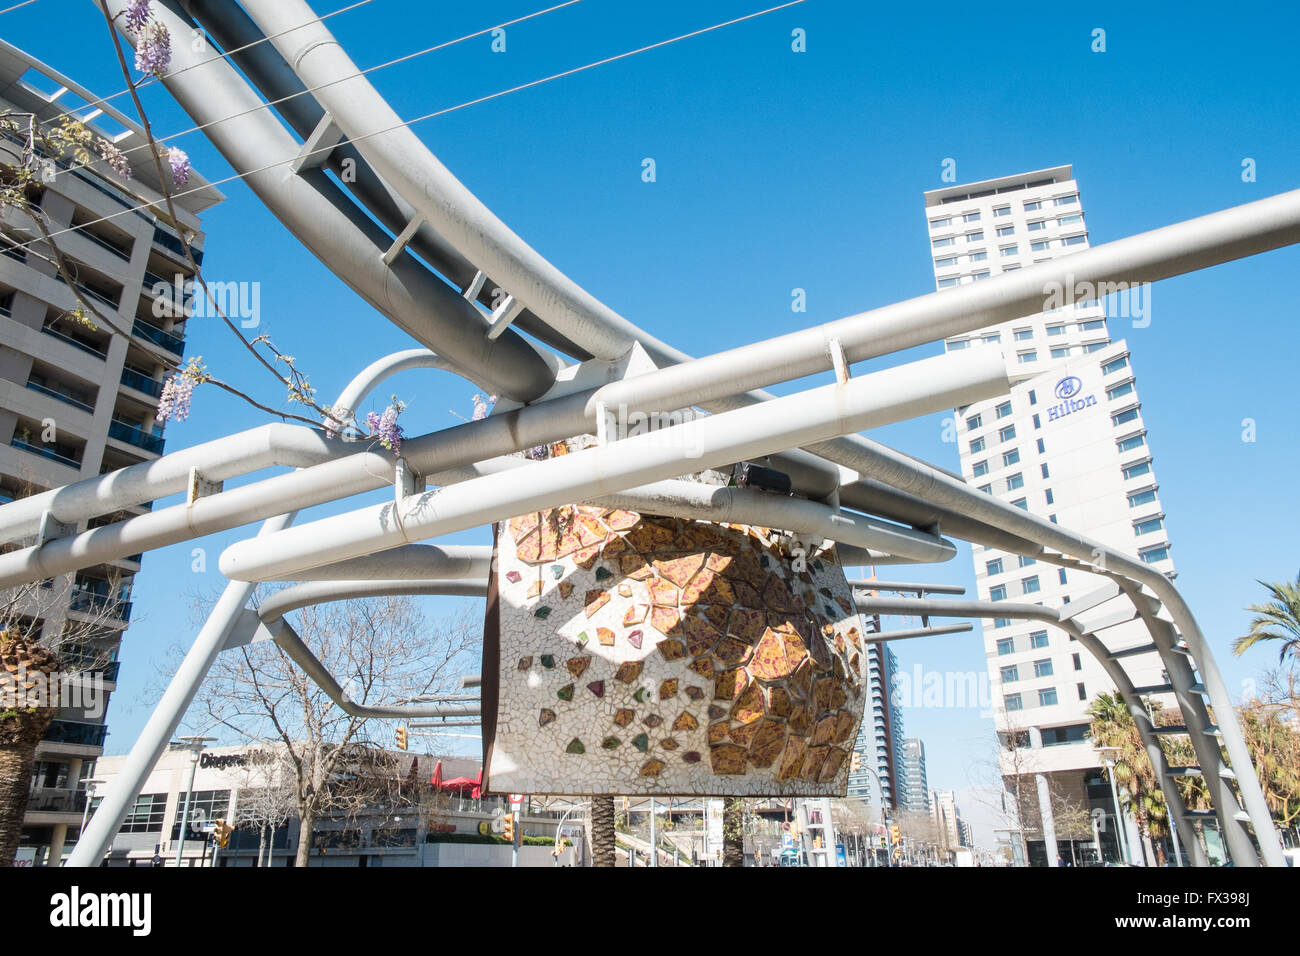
x: 137, y: 14
x: 174, y: 403
x: 115, y: 158
x: 482, y: 406
x: 180, y: 164
x: 153, y: 52
x: 385, y: 428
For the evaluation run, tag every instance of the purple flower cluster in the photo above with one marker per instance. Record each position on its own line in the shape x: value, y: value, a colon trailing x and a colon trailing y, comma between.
x: 482, y: 406
x: 137, y: 15
x: 180, y: 164
x: 174, y: 403
x: 385, y: 428
x: 538, y: 453
x: 115, y: 158
x: 153, y: 52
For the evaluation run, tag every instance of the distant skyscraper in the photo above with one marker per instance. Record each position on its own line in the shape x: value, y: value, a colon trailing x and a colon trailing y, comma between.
x: 1070, y: 444
x: 918, y: 789
x: 952, y: 829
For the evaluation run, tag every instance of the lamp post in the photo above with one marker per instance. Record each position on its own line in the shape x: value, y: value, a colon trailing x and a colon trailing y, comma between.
x: 85, y: 811
x: 195, y: 747
x: 1120, y: 835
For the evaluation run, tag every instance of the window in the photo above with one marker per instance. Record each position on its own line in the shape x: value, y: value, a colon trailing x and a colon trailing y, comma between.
x: 1025, y: 358
x: 1023, y: 335
x: 1040, y: 245
x: 941, y: 243
x: 1002, y: 622
x: 1083, y: 693
x: 977, y: 445
x: 974, y: 422
x: 1067, y: 220
x: 993, y: 338
x: 1010, y: 674
x: 1043, y: 668
x: 1124, y: 417
x: 1043, y: 468
x: 1003, y: 410
x: 1000, y: 211
x: 1114, y: 365
x: 207, y: 805
x: 1037, y: 424
x: 980, y: 469
x: 940, y: 223
x: 1011, y: 457
x: 1038, y: 639
x: 1021, y: 503
x: 1148, y: 525
x: 1052, y: 518
x: 1011, y: 267
x: 1015, y: 481
x: 998, y: 593
x: 1007, y: 433
x: 976, y: 236
x: 1030, y: 584
x: 1006, y: 231
x: 1092, y: 325
x: 1026, y: 561
x: 1133, y: 441
x: 980, y: 275
x: 1067, y: 200
x: 1012, y: 702
x: 1006, y: 645
x: 1094, y: 347
x: 1033, y: 399
x: 1139, y: 498
x: 971, y: 217
x: 947, y: 262
x: 1047, y: 697
x: 1060, y: 573
x: 978, y: 256
x: 987, y: 489
x: 1074, y: 240
x: 1040, y: 441
x: 1151, y: 555
x: 146, y: 814
x: 1137, y: 469
x: 1061, y: 352
x: 1078, y: 662
x: 1031, y: 206
x: 994, y: 566
x: 1038, y: 225
x: 1119, y: 391
x: 1047, y: 495
x: 1056, y: 330
x: 948, y: 284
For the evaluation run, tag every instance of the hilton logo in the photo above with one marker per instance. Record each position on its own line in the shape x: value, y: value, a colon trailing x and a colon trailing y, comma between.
x: 1066, y: 390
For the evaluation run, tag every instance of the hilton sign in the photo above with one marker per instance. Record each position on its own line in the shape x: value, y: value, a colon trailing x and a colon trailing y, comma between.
x: 1067, y: 390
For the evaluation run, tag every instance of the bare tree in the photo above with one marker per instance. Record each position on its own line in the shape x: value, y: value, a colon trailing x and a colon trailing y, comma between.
x: 267, y: 797
x: 379, y: 650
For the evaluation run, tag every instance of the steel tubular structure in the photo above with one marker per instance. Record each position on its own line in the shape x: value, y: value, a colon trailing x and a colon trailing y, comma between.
x: 417, y: 245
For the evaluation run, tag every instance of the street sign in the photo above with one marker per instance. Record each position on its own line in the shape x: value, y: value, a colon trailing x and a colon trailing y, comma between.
x: 516, y: 799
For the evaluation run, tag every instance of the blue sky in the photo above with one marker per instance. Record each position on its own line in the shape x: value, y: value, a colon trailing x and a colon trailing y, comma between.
x: 778, y: 170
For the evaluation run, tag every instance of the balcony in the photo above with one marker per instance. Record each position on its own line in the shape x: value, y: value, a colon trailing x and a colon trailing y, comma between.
x: 92, y: 293
x: 56, y: 800
x: 123, y: 254
x: 76, y: 732
x: 45, y: 452
x: 135, y: 436
x: 141, y: 383
x: 151, y: 333
x: 87, y: 667
x: 77, y: 343
x: 90, y: 602
x: 61, y: 396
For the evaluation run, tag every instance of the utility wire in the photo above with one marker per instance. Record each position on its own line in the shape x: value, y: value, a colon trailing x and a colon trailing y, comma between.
x: 427, y: 116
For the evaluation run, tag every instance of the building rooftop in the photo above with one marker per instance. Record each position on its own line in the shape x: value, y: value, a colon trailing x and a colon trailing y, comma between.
x: 1003, y: 184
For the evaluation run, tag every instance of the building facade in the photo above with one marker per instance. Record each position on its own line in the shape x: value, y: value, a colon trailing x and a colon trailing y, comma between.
x: 1069, y: 444
x: 77, y: 401
x: 918, y: 787
x: 952, y: 829
x: 879, y: 744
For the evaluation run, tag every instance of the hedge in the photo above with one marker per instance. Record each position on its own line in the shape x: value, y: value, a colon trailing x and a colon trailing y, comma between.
x: 492, y: 838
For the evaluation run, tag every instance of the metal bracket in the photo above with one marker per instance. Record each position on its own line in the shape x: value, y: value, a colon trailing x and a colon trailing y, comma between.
x: 475, y: 287
x: 505, y: 313
x: 838, y: 360
x: 400, y: 242
x: 52, y: 528
x: 318, y: 145
x: 406, y: 481
x: 199, y: 487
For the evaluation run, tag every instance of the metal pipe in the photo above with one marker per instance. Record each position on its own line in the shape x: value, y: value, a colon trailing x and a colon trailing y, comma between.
x: 870, y: 401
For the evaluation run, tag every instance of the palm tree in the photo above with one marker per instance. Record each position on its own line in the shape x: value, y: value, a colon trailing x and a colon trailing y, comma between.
x: 1113, y: 727
x: 1277, y: 620
x: 733, y: 832
x: 602, y: 831
x: 26, y: 673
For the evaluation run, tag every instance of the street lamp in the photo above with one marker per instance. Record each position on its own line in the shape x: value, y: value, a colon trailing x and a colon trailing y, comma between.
x: 195, y: 746
x: 85, y: 811
x: 1121, y: 836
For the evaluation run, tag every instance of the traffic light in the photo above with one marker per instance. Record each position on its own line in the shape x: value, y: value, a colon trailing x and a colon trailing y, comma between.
x: 883, y: 844
x: 508, y: 827
x: 221, y: 831
x: 856, y: 765
x: 401, y: 738
x: 895, y: 835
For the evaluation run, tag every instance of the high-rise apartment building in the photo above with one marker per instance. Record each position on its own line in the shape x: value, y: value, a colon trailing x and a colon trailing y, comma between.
x: 1068, y: 444
x: 879, y: 744
x: 918, y: 788
x: 952, y: 830
x: 75, y: 401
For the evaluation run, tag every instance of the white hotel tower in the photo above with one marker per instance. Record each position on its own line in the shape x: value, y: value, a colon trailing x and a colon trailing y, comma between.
x: 1068, y: 444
